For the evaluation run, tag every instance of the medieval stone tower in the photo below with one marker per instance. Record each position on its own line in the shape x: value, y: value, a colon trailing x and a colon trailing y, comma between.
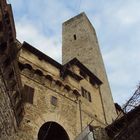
x: 41, y: 99
x: 79, y: 40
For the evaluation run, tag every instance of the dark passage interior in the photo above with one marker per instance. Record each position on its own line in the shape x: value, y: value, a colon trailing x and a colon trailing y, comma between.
x: 52, y: 131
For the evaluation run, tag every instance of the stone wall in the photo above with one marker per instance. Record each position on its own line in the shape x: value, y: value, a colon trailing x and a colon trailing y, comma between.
x: 48, y: 83
x: 100, y: 134
x: 10, y: 84
x: 41, y: 111
x: 7, y: 119
x: 79, y: 40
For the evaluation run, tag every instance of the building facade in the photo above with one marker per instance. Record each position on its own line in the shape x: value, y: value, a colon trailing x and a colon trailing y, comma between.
x: 57, y: 101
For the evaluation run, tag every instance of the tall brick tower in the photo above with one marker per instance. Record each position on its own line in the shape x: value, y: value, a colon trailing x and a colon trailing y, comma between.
x: 79, y: 40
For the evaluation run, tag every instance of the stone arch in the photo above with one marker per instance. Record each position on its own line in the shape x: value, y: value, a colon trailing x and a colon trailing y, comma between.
x: 28, y: 66
x: 49, y: 77
x: 76, y: 93
x: 67, y: 87
x: 52, y: 131
x: 59, y: 83
x: 38, y: 72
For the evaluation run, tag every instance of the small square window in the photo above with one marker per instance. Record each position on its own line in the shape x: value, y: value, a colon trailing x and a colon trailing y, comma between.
x: 54, y: 101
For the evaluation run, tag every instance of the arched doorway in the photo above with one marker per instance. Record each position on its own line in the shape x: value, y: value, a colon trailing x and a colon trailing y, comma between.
x: 52, y: 131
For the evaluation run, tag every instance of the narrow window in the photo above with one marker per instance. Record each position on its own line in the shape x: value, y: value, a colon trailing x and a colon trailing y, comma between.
x: 54, y: 101
x: 82, y: 90
x: 89, y: 96
x: 74, y: 36
x: 86, y: 94
x: 28, y: 94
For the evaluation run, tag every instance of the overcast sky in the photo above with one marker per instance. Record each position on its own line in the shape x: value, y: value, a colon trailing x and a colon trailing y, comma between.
x: 117, y: 23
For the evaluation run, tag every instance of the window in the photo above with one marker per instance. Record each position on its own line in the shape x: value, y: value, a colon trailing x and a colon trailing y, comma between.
x: 74, y: 36
x: 86, y: 94
x: 89, y: 96
x: 54, y: 101
x: 82, y: 89
x: 28, y: 94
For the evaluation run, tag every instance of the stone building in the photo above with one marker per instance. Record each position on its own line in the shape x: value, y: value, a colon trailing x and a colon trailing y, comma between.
x: 79, y: 40
x: 54, y: 101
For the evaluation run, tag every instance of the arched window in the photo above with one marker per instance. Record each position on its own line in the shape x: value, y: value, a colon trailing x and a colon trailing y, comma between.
x: 49, y: 77
x: 28, y: 66
x: 67, y: 87
x: 38, y: 72
x: 59, y: 83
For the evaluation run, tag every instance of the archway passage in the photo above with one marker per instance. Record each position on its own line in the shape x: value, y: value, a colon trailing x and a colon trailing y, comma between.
x: 52, y: 131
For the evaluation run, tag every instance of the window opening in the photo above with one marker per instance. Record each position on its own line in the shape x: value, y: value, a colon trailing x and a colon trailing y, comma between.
x: 54, y: 101
x: 86, y: 94
x: 74, y: 36
x: 89, y: 96
x: 28, y: 94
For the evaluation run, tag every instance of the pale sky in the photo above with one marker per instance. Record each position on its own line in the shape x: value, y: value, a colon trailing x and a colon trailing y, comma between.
x: 117, y: 24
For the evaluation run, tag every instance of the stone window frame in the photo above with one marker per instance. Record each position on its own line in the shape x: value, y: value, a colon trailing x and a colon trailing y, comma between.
x: 28, y: 94
x: 86, y: 94
x: 54, y: 100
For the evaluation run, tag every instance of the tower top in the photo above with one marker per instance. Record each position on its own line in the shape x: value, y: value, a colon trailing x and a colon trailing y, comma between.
x: 75, y: 17
x: 80, y: 17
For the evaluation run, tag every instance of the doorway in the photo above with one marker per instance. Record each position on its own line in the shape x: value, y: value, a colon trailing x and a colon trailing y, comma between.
x: 52, y: 131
